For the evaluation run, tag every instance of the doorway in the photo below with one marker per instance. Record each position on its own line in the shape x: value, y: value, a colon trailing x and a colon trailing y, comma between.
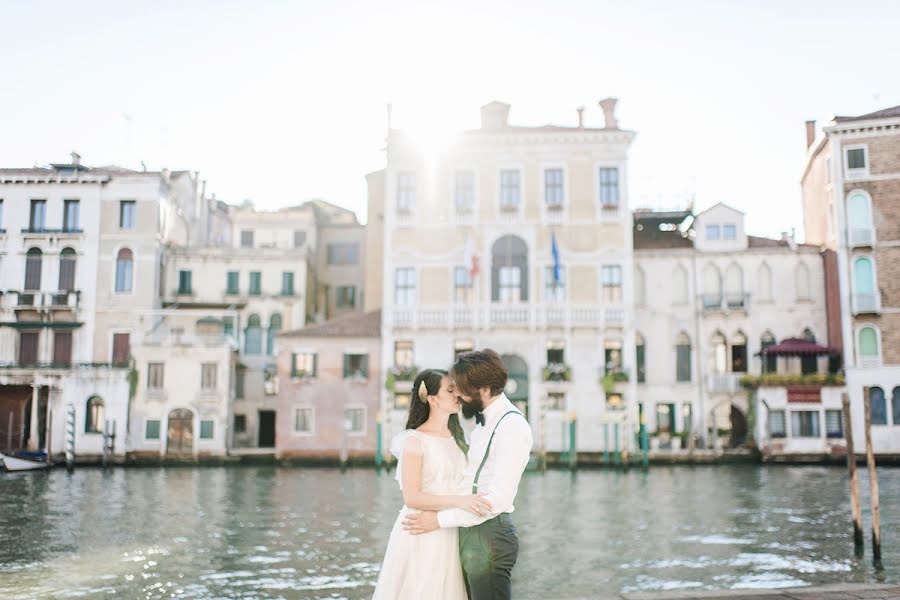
x: 180, y: 438
x: 267, y: 429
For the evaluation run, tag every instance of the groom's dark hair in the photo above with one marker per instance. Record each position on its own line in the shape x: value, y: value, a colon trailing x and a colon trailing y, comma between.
x: 479, y: 369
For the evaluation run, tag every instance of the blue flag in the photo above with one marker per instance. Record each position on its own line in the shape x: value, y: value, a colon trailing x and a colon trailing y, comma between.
x: 554, y: 250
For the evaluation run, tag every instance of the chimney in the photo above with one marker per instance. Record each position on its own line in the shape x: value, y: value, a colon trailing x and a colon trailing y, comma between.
x: 495, y: 115
x: 609, y: 112
x: 810, y: 133
x: 76, y: 158
x: 580, y: 110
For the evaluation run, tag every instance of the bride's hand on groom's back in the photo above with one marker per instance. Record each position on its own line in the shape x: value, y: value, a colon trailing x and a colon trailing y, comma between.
x: 475, y: 504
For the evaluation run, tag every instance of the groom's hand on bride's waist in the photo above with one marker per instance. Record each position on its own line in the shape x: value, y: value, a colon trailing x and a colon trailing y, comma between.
x: 422, y: 522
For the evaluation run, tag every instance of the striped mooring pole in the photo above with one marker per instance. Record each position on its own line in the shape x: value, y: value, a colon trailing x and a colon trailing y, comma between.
x: 70, y: 437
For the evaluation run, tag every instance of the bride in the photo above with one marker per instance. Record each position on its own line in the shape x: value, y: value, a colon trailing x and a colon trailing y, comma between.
x: 432, y: 457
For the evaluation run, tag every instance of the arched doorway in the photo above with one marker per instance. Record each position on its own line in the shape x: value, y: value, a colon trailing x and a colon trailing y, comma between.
x: 730, y: 424
x: 517, y: 385
x: 181, y: 433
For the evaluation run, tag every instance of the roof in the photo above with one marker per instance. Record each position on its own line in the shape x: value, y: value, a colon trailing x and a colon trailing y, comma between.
x: 653, y: 238
x: 754, y: 241
x: 661, y: 216
x: 884, y: 113
x: 796, y: 347
x: 355, y: 325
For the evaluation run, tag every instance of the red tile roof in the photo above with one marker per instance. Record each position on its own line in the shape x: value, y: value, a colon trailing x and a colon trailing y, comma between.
x: 355, y: 325
x: 884, y: 113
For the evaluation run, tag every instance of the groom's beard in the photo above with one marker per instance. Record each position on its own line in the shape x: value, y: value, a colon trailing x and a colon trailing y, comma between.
x: 472, y: 408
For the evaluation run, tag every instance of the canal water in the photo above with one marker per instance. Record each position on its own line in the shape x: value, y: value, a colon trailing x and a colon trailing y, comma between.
x: 269, y: 532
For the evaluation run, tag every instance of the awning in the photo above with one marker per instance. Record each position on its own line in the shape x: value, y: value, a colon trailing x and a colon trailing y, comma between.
x: 796, y: 347
x: 40, y: 324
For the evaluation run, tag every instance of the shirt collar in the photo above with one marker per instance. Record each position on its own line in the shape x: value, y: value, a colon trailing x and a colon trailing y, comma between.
x: 499, y: 406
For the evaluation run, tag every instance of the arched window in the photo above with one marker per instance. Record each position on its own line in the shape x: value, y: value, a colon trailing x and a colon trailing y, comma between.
x: 863, y: 285
x: 253, y: 335
x: 734, y: 286
x: 274, y: 328
x: 809, y: 363
x: 66, y: 270
x: 801, y: 278
x: 640, y: 358
x: 859, y: 216
x: 509, y: 270
x: 769, y: 363
x: 680, y: 285
x: 765, y: 283
x: 33, y: 261
x: 879, y: 406
x: 640, y: 287
x: 712, y: 287
x: 739, y: 353
x: 683, y: 357
x: 93, y: 418
x: 124, y: 270
x: 868, y: 345
x: 895, y: 405
x: 720, y: 352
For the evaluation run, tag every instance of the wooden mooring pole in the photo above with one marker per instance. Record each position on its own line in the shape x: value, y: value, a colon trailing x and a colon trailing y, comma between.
x: 854, y: 481
x: 873, y: 482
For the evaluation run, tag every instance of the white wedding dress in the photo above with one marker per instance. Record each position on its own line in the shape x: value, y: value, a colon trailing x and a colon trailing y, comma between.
x: 425, y: 567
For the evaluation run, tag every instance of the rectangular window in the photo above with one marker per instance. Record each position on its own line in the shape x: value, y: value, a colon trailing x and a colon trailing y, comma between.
x: 155, y: 375
x: 28, y: 347
x: 246, y: 238
x: 406, y: 191
x: 184, y: 282
x: 228, y: 327
x: 356, y: 366
x: 71, y: 209
x: 510, y: 284
x: 609, y: 188
x: 554, y: 291
x: 240, y: 378
x: 62, y: 348
x: 460, y: 346
x: 303, y: 418
x: 287, y: 283
x: 510, y: 190
x: 464, y: 192
x: 151, y: 429
x: 405, y: 286
x: 856, y: 158
x: 299, y: 238
x: 255, y: 283
x: 556, y: 353
x: 401, y: 400
x: 232, y: 284
x: 777, y: 425
x: 209, y: 376
x: 805, y: 423
x: 611, y: 279
x: 834, y: 423
x: 729, y: 231
x: 240, y: 423
x: 640, y: 362
x: 403, y: 354
x: 121, y: 352
x: 462, y: 284
x: 303, y: 364
x: 553, y: 188
x: 683, y: 362
x: 712, y: 232
x: 342, y: 254
x: 207, y: 428
x: 127, y: 214
x: 355, y: 419
x: 612, y: 356
x: 38, y: 217
x: 1, y: 215
x: 556, y: 401
x: 345, y: 296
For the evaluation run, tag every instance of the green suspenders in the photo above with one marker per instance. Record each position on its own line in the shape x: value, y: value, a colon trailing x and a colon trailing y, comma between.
x: 488, y: 450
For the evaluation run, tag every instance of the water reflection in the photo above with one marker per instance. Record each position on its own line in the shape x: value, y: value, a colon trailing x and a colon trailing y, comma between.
x: 265, y: 532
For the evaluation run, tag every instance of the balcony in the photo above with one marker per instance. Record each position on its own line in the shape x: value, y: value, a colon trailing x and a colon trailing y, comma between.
x: 59, y: 300
x: 725, y: 302
x: 724, y: 383
x: 865, y: 303
x: 176, y: 339
x: 557, y: 372
x: 860, y: 237
x: 496, y: 315
x: 47, y: 232
x: 610, y: 212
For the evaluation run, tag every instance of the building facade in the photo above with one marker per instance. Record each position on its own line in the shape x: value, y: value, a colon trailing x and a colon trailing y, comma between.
x: 517, y: 239
x: 851, y: 195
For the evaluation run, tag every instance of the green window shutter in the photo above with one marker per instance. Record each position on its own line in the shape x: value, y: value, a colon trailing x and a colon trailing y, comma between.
x: 365, y: 365
x: 315, y: 372
x: 232, y: 283
x: 293, y: 365
x: 346, y: 365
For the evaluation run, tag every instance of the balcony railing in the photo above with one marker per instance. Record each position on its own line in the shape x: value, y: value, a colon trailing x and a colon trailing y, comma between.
x: 60, y: 365
x: 63, y: 299
x: 724, y: 383
x: 494, y: 315
x: 865, y: 303
x: 48, y: 231
x: 725, y: 302
x: 175, y: 339
x: 861, y: 236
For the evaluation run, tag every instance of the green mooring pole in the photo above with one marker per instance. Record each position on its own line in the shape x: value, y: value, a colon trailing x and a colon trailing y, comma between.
x: 644, y: 443
x: 573, y: 456
x: 606, y: 444
x: 378, y: 442
x: 617, y: 455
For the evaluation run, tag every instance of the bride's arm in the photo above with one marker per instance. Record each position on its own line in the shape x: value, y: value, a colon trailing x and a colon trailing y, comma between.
x: 414, y: 497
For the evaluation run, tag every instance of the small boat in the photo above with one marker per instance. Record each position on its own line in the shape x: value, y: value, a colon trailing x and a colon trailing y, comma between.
x: 24, y: 461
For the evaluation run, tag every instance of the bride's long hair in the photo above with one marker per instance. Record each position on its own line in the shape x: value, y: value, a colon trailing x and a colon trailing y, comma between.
x: 419, y: 409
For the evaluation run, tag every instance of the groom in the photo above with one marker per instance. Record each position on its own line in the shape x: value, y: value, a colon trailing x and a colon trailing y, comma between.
x: 499, y: 452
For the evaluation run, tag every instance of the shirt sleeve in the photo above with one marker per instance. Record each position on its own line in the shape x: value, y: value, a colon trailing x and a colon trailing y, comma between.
x: 512, y: 449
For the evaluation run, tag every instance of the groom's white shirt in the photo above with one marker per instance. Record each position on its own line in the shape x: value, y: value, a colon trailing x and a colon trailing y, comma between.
x: 500, y: 476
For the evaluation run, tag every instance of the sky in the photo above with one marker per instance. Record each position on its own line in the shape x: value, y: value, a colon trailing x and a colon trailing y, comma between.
x: 280, y: 102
